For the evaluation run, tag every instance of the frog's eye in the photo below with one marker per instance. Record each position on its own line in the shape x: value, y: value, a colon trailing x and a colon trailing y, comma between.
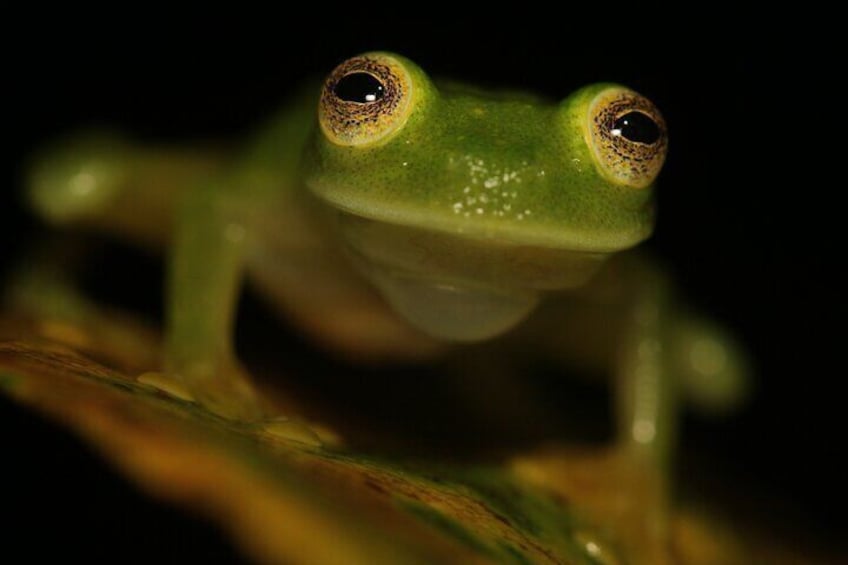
x: 627, y: 135
x: 365, y: 99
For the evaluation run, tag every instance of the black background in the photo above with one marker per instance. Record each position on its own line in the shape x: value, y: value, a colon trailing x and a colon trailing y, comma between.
x: 749, y: 230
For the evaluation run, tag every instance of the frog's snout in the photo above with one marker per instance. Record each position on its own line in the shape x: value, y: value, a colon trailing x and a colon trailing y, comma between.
x: 77, y: 180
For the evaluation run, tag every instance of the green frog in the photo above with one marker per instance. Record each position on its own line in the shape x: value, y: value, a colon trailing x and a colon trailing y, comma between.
x: 394, y: 217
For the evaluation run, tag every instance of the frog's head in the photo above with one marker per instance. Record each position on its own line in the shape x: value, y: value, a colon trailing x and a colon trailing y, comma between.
x: 462, y: 205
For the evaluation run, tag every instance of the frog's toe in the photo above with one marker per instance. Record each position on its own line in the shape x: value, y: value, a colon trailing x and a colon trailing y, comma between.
x: 289, y: 430
x: 167, y: 384
x: 238, y: 402
x: 231, y: 399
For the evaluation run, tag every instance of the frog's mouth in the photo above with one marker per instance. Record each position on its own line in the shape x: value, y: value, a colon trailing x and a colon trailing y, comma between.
x: 458, y: 287
x: 518, y: 230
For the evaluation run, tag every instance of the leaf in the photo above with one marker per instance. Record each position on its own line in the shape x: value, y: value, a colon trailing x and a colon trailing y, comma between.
x: 287, y: 501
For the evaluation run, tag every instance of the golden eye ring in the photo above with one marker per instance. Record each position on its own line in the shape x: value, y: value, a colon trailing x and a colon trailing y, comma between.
x: 365, y: 100
x: 627, y: 135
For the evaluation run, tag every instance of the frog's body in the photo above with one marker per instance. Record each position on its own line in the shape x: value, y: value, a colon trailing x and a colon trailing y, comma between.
x: 406, y: 217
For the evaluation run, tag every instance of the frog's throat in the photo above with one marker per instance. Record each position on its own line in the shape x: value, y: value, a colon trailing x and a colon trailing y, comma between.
x: 453, y: 310
x: 458, y: 288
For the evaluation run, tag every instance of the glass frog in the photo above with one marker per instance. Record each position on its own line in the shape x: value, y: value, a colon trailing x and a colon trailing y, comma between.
x: 391, y: 217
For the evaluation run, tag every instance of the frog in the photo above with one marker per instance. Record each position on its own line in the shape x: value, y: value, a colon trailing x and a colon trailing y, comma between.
x: 394, y: 217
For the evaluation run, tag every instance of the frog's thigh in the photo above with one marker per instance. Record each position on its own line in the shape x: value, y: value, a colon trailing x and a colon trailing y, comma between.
x: 102, y: 180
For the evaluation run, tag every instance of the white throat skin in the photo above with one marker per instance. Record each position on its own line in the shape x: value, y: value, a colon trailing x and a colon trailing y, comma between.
x: 453, y: 310
x: 456, y: 288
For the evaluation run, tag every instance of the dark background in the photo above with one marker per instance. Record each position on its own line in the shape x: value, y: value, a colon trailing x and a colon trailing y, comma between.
x: 751, y: 236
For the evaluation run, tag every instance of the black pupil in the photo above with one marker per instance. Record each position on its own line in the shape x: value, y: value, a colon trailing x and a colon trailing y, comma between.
x: 359, y: 87
x: 638, y: 127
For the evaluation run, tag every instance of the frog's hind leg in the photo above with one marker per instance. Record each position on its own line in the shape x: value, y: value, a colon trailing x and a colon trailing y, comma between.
x: 43, y: 290
x: 99, y: 181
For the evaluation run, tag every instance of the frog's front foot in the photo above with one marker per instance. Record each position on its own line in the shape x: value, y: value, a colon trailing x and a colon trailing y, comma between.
x: 222, y: 392
x: 229, y: 394
x: 167, y: 384
x: 625, y: 503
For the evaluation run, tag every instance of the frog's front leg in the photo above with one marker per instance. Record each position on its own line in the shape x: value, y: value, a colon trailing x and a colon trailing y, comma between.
x: 205, y: 271
x: 204, y: 279
x: 646, y: 409
x: 632, y: 481
x: 628, y: 322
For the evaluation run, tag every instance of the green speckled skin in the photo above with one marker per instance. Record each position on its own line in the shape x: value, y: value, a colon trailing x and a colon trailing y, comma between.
x: 496, y: 165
